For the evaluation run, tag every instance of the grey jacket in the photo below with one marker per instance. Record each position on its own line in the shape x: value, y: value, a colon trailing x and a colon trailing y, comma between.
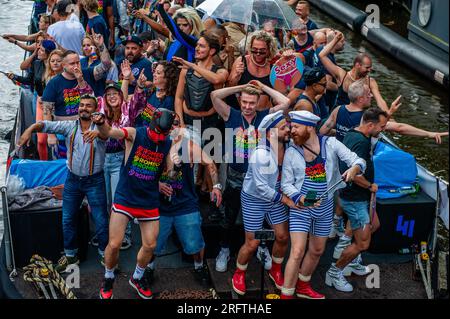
x: 294, y: 166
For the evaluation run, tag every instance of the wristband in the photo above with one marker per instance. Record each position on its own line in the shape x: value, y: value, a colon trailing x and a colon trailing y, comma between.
x: 125, y: 131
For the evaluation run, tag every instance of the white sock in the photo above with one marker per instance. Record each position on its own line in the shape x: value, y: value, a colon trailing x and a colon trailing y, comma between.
x: 109, y: 273
x: 227, y: 250
x: 138, y: 273
x: 346, y: 238
x: 198, y: 264
x: 287, y: 291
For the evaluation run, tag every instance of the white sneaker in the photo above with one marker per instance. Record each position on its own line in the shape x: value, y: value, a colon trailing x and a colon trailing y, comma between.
x: 356, y: 267
x: 268, y: 260
x: 338, y: 228
x: 335, y: 278
x: 340, y: 246
x: 222, y: 260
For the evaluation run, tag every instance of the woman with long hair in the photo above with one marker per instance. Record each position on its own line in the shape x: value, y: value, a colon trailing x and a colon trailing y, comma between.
x: 160, y: 95
x: 254, y: 66
x: 183, y: 31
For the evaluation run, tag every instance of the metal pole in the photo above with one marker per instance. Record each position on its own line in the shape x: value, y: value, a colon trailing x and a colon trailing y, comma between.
x: 263, y: 260
x: 6, y: 233
x: 435, y: 229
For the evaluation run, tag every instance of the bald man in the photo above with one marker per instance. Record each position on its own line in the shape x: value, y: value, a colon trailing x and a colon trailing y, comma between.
x: 311, y: 57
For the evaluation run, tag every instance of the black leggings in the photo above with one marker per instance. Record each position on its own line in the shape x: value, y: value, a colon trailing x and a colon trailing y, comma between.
x: 232, y: 201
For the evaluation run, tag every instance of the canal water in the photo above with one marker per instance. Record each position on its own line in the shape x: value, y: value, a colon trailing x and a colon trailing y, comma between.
x: 425, y: 104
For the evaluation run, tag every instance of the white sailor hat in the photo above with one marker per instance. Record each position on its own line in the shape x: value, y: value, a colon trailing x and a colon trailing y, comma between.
x: 304, y: 118
x: 271, y: 120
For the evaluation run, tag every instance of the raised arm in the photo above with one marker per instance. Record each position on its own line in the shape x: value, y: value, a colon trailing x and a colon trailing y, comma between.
x: 377, y: 95
x: 237, y: 70
x: 216, y: 78
x: 282, y: 102
x: 185, y: 39
x: 218, y: 100
x: 337, y: 72
x: 106, y: 131
x: 157, y: 27
x: 101, y: 69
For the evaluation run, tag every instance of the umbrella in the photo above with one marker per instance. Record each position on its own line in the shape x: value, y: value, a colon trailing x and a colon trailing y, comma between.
x: 251, y: 12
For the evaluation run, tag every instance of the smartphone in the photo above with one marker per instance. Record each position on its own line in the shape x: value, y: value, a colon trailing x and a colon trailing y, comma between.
x: 310, y: 198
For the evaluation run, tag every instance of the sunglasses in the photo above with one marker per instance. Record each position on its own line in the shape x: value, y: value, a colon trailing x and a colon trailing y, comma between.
x: 258, y: 52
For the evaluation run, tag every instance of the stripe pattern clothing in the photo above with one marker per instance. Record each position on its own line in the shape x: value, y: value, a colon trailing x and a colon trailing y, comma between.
x: 254, y: 210
x: 316, y: 221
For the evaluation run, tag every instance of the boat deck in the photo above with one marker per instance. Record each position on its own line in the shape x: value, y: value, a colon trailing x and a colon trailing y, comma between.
x: 174, y: 278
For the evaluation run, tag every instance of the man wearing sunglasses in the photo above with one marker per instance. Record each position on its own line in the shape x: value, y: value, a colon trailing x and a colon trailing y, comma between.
x: 312, y: 99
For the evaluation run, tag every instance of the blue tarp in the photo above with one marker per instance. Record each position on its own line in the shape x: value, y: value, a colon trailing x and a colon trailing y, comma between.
x: 40, y: 173
x: 395, y: 171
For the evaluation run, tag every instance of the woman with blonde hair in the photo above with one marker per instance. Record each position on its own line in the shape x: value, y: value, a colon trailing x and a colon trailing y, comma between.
x: 255, y: 65
x: 183, y: 31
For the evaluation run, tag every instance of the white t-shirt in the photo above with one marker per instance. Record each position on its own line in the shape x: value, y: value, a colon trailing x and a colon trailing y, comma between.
x: 69, y: 33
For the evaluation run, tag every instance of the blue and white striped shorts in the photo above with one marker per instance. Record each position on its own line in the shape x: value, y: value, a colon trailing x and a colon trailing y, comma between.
x: 304, y: 222
x: 254, y: 210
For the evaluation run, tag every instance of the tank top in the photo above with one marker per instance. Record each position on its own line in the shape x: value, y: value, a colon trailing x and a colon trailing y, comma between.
x: 316, y: 109
x: 301, y: 48
x: 316, y: 180
x: 138, y: 185
x: 342, y: 96
x: 197, y: 91
x: 345, y: 121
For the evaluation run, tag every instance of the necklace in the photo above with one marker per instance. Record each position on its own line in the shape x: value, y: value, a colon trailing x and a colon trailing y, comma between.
x: 258, y: 65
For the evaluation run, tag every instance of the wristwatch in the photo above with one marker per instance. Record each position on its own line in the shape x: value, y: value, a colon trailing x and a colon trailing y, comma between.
x: 218, y: 186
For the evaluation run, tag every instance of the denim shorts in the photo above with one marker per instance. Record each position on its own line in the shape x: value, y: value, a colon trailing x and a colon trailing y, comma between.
x: 189, y: 231
x: 357, y: 213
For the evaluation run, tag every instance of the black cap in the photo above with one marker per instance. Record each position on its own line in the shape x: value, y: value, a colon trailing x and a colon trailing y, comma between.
x: 313, y: 75
x: 114, y: 86
x: 132, y: 38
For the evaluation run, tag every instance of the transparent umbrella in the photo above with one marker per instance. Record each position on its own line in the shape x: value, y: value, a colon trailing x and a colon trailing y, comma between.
x: 251, y: 12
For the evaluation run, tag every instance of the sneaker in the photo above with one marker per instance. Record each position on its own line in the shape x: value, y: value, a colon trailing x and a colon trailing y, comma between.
x: 238, y: 282
x: 286, y: 297
x: 276, y: 275
x: 64, y: 262
x: 304, y: 290
x: 268, y: 260
x: 149, y: 275
x: 340, y: 246
x: 356, y: 267
x: 222, y: 260
x: 126, y: 243
x: 94, y: 241
x: 338, y: 227
x: 335, y: 278
x: 106, y: 292
x: 141, y: 286
x: 202, y: 276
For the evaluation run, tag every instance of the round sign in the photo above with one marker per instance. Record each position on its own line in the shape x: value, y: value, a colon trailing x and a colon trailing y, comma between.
x: 286, y: 73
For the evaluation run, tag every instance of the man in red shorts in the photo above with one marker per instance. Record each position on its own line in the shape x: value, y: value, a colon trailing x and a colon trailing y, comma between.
x: 137, y: 194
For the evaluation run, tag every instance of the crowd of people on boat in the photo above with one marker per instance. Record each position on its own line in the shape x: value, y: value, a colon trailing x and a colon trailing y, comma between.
x: 132, y: 94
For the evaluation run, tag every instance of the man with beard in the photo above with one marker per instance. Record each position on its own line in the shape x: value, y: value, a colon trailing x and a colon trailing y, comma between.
x: 133, y: 53
x: 310, y: 173
x: 261, y: 198
x: 85, y: 162
x: 356, y: 200
x: 137, y: 193
x: 362, y: 66
x: 303, y: 10
x: 243, y: 125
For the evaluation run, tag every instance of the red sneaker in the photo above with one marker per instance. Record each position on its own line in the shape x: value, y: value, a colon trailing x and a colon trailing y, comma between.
x: 304, y: 290
x: 106, y: 292
x: 286, y: 297
x: 238, y: 282
x: 276, y: 275
x: 141, y: 287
